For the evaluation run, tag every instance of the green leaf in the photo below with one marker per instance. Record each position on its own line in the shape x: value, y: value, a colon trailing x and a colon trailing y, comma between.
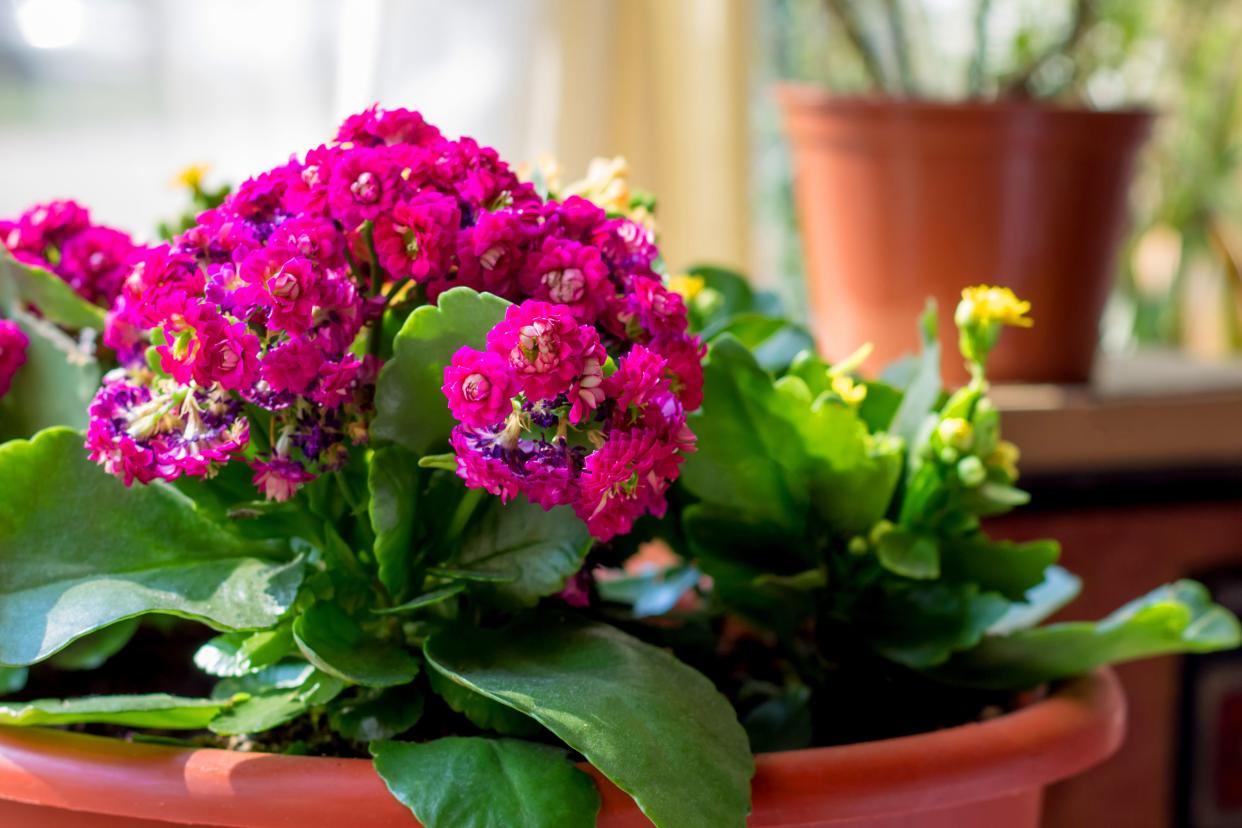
x: 1041, y: 601
x: 1175, y: 618
x: 91, y: 651
x: 482, y: 711
x: 410, y: 408
x: 909, y: 555
x: 157, y: 710
x: 12, y: 680
x: 852, y: 474
x: 998, y: 566
x: 745, y: 461
x: 542, y: 549
x: 274, y: 708
x: 471, y: 782
x: 921, y: 625
x: 55, y: 300
x: 334, y: 643
x: 235, y: 654
x: 655, y: 727
x: 774, y: 342
x: 80, y: 552
x: 392, y: 478
x: 923, y: 390
x: 284, y: 675
x: 54, y: 386
x: 725, y: 294
x: 424, y: 600
x: 378, y: 714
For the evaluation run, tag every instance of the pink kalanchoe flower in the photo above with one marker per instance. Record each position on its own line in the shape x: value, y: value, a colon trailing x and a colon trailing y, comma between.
x: 684, y: 369
x: 337, y: 381
x: 481, y: 463
x: 492, y: 252
x: 568, y: 273
x: 542, y: 344
x: 639, y: 378
x: 162, y: 432
x: 13, y: 344
x: 95, y: 262
x: 657, y: 310
x: 204, y: 346
x: 292, y: 366
x: 279, y: 478
x: 363, y: 186
x: 417, y: 239
x: 626, y: 478
x: 479, y: 387
x: 587, y: 391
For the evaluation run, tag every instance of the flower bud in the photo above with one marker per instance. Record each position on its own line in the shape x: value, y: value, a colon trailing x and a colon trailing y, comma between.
x: 956, y: 433
x: 971, y: 472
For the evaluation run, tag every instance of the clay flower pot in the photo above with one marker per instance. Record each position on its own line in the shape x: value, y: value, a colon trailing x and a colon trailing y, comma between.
x: 986, y: 774
x: 901, y: 200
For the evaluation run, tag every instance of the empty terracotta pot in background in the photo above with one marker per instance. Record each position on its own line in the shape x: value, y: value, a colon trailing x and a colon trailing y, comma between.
x: 980, y: 775
x: 901, y: 200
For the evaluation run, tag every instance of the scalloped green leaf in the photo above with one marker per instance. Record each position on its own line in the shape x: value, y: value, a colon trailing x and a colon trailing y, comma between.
x: 655, y: 727
x: 1175, y: 618
x: 334, y: 643
x: 541, y: 550
x: 472, y: 782
x: 410, y: 408
x: 79, y: 551
x: 54, y: 298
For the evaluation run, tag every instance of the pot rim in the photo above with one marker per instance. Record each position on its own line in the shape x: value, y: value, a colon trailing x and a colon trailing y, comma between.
x: 802, y: 96
x: 1076, y: 727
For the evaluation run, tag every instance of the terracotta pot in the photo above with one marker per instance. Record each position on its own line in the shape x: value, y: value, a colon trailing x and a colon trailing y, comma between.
x: 901, y: 200
x: 982, y: 775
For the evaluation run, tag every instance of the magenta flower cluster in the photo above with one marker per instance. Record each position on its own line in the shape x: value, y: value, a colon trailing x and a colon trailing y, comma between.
x: 59, y: 236
x: 537, y: 416
x: 13, y: 344
x: 248, y: 335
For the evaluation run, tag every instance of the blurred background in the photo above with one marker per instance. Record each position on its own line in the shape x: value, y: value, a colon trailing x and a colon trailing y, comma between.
x: 924, y: 156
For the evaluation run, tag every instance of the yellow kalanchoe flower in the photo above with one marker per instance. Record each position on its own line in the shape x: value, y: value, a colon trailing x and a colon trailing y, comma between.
x: 685, y: 284
x: 851, y: 392
x: 192, y: 176
x: 985, y: 304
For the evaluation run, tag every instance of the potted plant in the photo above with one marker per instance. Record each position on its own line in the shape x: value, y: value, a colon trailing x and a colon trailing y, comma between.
x: 904, y: 193
x: 392, y: 423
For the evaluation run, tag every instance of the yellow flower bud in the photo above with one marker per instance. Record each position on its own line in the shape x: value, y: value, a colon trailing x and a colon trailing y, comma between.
x: 956, y: 433
x: 1005, y: 457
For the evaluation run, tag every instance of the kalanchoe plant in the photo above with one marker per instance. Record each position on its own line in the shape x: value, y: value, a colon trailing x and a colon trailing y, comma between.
x: 388, y: 418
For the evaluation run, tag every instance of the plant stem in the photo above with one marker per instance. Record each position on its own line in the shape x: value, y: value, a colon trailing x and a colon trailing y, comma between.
x: 979, y: 62
x: 1084, y: 18
x: 872, y: 64
x: 901, y: 48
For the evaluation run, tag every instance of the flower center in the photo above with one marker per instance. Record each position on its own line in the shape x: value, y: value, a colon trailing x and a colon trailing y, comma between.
x: 475, y: 387
x: 491, y: 257
x: 284, y: 285
x: 539, y: 346
x: 566, y: 285
x: 226, y: 356
x: 310, y: 175
x: 366, y: 188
